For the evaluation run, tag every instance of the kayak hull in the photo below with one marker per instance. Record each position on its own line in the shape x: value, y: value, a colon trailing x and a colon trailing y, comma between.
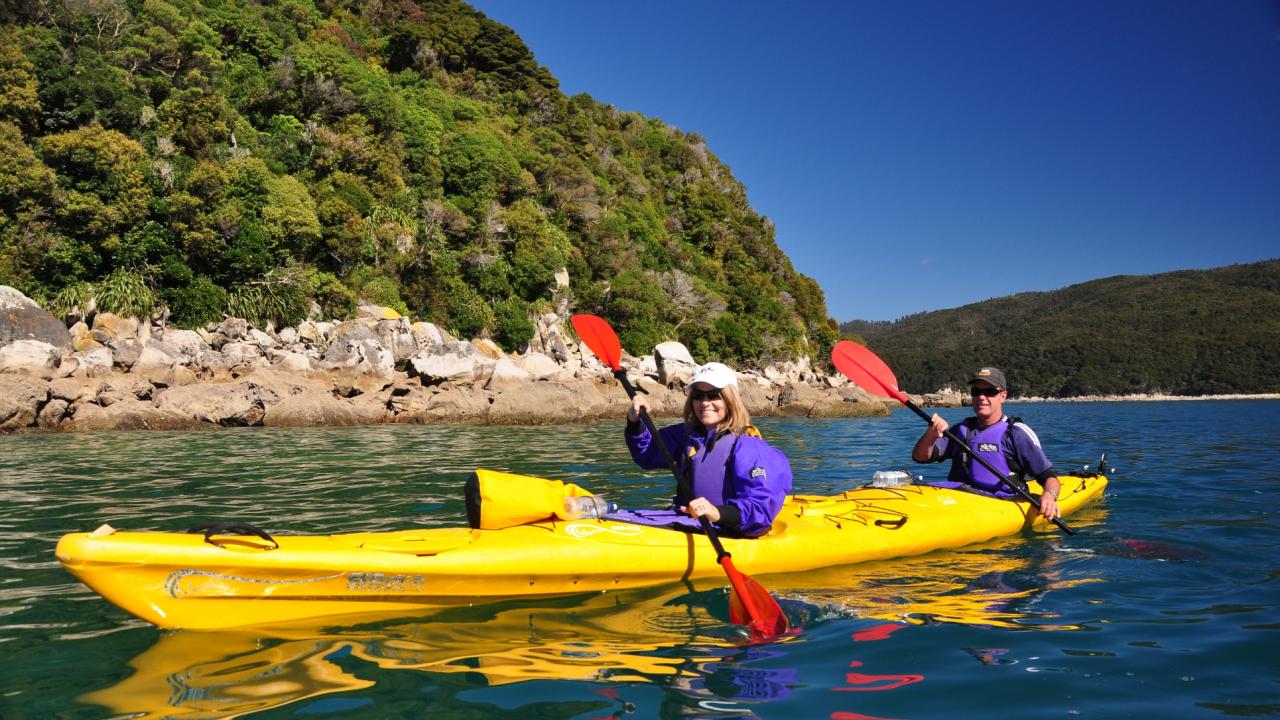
x: 180, y: 580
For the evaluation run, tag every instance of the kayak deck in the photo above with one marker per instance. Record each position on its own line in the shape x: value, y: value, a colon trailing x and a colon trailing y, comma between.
x: 181, y: 580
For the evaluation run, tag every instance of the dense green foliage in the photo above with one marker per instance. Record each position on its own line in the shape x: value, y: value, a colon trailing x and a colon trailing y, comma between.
x: 239, y: 155
x: 1193, y: 332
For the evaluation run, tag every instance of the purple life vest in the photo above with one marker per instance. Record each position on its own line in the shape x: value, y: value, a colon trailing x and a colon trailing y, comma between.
x: 707, y: 459
x: 989, y: 443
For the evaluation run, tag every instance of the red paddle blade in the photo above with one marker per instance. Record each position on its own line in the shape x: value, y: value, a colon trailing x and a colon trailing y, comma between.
x: 866, y: 370
x: 751, y: 605
x: 599, y: 338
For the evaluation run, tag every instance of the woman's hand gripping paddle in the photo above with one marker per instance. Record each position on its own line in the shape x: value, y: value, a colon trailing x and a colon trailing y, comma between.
x: 749, y: 603
x: 870, y: 373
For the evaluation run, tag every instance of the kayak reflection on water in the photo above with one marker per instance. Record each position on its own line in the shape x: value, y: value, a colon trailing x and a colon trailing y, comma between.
x: 996, y: 584
x: 617, y: 637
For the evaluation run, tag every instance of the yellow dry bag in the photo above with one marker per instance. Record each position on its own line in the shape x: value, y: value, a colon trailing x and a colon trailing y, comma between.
x: 497, y: 500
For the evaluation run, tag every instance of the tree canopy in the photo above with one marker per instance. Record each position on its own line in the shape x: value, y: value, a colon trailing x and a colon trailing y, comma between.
x: 223, y: 153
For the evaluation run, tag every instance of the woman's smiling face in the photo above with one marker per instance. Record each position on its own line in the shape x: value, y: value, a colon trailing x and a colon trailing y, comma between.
x: 708, y: 405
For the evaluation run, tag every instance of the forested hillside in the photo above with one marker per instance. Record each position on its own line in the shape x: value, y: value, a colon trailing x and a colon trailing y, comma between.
x: 1182, y: 333
x: 211, y: 156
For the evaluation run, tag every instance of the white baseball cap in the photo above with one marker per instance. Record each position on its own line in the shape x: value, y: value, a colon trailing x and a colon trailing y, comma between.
x: 717, y: 375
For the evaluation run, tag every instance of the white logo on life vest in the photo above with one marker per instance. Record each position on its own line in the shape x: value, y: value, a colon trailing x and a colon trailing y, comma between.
x: 988, y: 447
x: 757, y: 472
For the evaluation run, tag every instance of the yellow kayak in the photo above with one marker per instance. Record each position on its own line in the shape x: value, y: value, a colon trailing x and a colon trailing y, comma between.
x: 192, y: 581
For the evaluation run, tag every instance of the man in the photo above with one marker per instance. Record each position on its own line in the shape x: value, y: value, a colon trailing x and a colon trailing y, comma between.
x: 1009, y: 445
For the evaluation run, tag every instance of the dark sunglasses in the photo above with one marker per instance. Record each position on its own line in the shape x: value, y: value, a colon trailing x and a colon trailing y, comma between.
x: 707, y: 395
x: 988, y: 392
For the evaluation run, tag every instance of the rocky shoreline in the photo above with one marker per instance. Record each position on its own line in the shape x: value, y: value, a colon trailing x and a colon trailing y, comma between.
x: 107, y: 372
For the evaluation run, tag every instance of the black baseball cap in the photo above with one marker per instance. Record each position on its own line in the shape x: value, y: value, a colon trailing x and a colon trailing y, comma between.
x: 991, y: 375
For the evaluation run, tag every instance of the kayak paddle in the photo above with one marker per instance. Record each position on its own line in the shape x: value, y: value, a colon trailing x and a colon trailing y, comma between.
x: 749, y: 603
x: 870, y: 373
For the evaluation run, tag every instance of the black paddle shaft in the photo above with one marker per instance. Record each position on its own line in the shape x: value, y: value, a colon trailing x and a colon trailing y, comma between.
x: 985, y: 463
x: 682, y: 479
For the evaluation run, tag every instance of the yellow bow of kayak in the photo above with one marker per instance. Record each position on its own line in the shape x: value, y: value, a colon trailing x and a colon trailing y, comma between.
x: 180, y: 580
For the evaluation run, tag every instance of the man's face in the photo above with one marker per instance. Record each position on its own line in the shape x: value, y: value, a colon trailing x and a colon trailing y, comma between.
x: 987, y: 401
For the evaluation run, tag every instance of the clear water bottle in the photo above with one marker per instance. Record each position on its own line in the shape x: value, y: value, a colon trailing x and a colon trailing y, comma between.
x: 587, y: 506
x: 891, y: 478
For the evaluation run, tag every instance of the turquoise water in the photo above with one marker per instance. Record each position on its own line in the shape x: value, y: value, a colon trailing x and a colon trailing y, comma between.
x: 1164, y: 605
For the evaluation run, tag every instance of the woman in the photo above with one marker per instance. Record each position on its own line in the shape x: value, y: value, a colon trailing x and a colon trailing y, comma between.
x: 737, y: 480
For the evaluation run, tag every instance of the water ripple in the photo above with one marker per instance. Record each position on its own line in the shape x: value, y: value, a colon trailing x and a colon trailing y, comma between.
x: 1171, y: 576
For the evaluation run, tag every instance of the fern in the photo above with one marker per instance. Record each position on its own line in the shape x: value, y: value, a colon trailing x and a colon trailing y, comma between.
x: 281, y: 297
x: 125, y: 292
x: 74, y: 299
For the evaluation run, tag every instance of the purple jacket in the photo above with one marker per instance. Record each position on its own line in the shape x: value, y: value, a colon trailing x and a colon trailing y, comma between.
x: 745, y: 477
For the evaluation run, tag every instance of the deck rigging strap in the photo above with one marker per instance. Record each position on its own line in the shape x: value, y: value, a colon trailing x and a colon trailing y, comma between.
x: 215, y: 528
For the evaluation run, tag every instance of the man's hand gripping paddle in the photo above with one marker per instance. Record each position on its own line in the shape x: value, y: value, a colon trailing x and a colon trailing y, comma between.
x: 749, y: 603
x: 870, y: 373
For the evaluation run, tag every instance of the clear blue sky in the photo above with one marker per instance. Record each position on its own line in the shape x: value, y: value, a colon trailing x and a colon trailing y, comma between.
x: 921, y: 155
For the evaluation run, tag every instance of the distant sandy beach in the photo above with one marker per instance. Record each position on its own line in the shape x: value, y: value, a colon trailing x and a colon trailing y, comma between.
x: 1147, y: 398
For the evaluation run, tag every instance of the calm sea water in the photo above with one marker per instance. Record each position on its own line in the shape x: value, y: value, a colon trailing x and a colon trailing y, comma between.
x: 1166, y: 604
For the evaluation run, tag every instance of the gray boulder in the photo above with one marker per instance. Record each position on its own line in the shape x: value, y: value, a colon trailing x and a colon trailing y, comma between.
x: 405, y: 403
x: 313, y: 333
x: 187, y: 345
x: 837, y: 404
x: 32, y: 357
x: 53, y: 413
x: 761, y: 401
x: 943, y: 398
x: 237, y: 355
x: 82, y: 338
x: 126, y: 415
x: 22, y: 319
x: 663, y: 401
x: 172, y: 376
x: 125, y: 352
x: 545, y: 403
x: 506, y: 374
x: 121, y: 388
x: 292, y: 362
x: 95, y: 362
x: 445, y: 403
x: 550, y: 338
x: 797, y: 399
x: 435, y: 369
x: 675, y: 364
x: 852, y: 393
x: 428, y: 336
x: 67, y: 389
x: 21, y: 399
x: 310, y: 409
x: 109, y: 328
x: 239, y: 404
x: 154, y: 356
x: 232, y: 329
x: 357, y: 347
x: 398, y: 337
x: 353, y: 384
x: 540, y: 367
x: 261, y: 339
